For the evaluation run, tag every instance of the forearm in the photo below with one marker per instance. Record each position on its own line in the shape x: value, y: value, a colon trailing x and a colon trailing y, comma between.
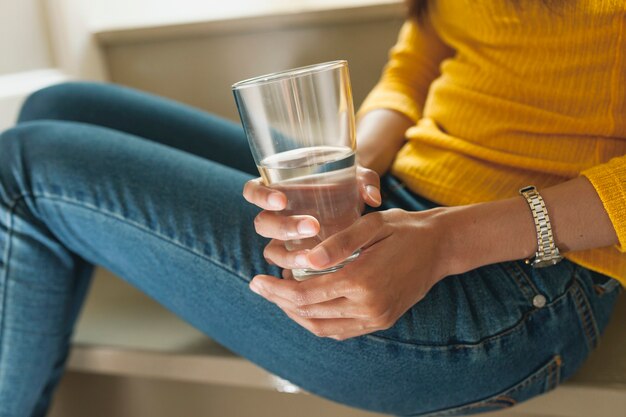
x: 504, y: 230
x: 380, y: 135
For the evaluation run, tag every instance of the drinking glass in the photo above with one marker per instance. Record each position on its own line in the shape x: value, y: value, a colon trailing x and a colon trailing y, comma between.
x: 300, y: 127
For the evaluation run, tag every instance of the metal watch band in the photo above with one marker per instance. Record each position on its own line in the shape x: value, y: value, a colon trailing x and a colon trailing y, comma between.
x: 547, y: 253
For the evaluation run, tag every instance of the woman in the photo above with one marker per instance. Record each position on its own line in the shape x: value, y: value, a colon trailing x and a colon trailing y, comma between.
x: 439, y: 315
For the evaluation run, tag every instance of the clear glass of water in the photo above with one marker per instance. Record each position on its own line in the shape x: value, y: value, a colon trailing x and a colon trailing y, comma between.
x: 300, y: 127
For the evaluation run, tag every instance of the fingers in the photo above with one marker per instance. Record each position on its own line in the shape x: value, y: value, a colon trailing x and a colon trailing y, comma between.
x: 275, y: 225
x: 354, y: 331
x: 340, y: 308
x: 365, y: 231
x: 369, y: 186
x: 333, y: 328
x: 260, y: 195
x: 340, y: 317
x: 300, y: 293
x: 277, y: 254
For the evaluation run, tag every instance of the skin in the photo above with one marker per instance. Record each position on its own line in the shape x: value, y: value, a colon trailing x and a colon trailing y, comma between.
x: 403, y: 254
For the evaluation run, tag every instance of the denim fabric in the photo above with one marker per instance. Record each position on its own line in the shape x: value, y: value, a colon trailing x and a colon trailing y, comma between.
x: 150, y: 189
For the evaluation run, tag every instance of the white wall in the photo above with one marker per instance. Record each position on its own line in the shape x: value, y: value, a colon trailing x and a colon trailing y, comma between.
x: 71, y: 34
x: 200, y: 69
x: 24, y: 41
x: 103, y: 15
x: 43, y: 42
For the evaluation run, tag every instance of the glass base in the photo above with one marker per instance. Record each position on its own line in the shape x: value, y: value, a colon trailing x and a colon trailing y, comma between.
x: 306, y: 273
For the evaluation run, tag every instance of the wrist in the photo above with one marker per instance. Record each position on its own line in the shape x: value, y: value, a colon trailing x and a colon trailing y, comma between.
x: 486, y: 233
x: 440, y: 227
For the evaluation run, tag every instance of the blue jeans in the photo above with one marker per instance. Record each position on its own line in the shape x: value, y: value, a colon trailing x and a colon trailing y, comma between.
x: 151, y: 189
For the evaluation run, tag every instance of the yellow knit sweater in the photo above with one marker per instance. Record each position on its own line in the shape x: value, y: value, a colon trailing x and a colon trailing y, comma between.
x: 507, y: 95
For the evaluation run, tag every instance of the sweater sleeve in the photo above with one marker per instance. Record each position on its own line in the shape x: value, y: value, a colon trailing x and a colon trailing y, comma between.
x: 413, y: 64
x: 609, y: 180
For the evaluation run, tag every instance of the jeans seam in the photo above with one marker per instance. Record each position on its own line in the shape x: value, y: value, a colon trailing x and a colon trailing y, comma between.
x: 527, y: 277
x: 121, y: 218
x: 549, y: 376
x: 555, y: 363
x: 504, y: 399
x: 587, y: 320
x: 4, y: 287
x: 22, y: 331
x: 510, y: 402
x: 521, y: 279
x: 556, y: 374
x: 479, y: 344
x: 30, y: 286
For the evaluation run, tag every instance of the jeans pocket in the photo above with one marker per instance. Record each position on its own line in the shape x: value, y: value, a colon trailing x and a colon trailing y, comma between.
x: 603, y: 285
x: 538, y: 382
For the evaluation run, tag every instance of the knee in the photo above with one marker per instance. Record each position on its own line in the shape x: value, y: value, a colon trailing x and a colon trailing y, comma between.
x: 58, y: 102
x: 22, y: 148
x: 10, y: 145
x: 10, y: 162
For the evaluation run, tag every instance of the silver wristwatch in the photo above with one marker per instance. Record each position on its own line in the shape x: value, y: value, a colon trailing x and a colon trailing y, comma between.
x: 547, y: 253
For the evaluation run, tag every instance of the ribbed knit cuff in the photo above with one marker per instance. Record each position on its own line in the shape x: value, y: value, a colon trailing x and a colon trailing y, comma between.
x: 382, y: 97
x: 609, y: 180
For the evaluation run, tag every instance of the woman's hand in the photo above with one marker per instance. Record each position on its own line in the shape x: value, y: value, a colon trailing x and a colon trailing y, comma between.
x: 401, y: 259
x: 273, y: 224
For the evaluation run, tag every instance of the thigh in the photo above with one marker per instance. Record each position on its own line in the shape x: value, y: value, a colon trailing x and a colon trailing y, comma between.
x: 171, y: 194
x: 146, y: 115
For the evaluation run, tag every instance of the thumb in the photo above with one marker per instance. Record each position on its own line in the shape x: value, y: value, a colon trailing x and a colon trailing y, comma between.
x: 369, y: 186
x: 363, y: 232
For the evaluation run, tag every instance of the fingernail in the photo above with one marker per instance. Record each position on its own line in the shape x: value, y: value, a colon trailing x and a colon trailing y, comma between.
x: 301, y: 260
x: 255, y: 287
x: 306, y: 227
x: 275, y: 200
x: 318, y: 257
x: 373, y: 192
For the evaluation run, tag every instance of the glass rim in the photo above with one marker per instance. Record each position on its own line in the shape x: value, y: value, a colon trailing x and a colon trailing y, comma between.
x: 289, y: 73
